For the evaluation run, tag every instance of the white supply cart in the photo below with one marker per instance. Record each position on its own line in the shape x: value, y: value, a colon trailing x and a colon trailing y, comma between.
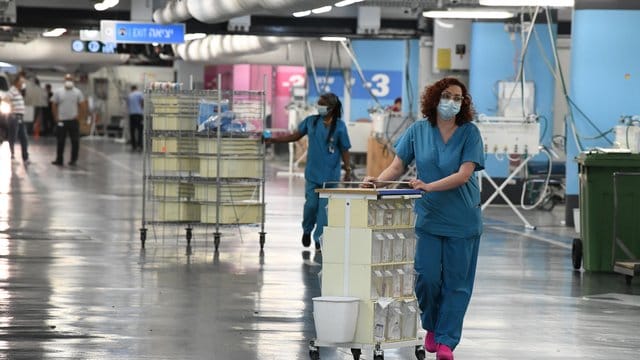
x: 368, y: 254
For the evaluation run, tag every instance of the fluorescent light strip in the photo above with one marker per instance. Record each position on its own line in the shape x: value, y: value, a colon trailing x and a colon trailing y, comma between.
x: 322, y: 10
x: 333, y: 38
x: 302, y: 13
x: 553, y: 3
x: 346, y: 3
x: 54, y: 33
x: 468, y: 14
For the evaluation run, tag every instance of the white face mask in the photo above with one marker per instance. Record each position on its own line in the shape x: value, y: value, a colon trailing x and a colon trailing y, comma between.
x: 323, y: 110
x: 68, y: 84
x: 23, y: 86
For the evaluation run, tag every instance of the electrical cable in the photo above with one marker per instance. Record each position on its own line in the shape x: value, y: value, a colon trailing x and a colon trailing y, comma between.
x: 543, y: 193
x: 309, y: 54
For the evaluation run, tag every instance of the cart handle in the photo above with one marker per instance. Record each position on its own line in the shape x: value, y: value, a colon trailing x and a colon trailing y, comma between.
x: 364, y: 182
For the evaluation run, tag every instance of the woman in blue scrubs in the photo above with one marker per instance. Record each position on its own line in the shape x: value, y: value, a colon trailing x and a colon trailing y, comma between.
x: 447, y: 150
x: 328, y: 143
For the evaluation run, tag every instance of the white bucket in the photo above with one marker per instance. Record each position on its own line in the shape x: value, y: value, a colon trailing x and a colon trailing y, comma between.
x: 379, y: 121
x: 335, y: 318
x: 576, y: 219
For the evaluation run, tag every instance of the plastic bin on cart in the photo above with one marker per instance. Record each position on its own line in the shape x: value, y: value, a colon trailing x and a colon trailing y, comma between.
x: 597, y: 211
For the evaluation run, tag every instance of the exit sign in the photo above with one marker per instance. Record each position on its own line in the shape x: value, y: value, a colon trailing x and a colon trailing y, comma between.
x: 127, y: 32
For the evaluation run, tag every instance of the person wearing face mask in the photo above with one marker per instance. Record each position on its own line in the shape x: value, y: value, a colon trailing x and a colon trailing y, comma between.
x: 447, y: 150
x: 16, y: 118
x: 328, y: 144
x: 67, y: 105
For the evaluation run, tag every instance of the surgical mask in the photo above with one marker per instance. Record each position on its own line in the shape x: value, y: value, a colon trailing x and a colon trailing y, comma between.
x: 323, y: 110
x: 68, y: 84
x: 448, y: 109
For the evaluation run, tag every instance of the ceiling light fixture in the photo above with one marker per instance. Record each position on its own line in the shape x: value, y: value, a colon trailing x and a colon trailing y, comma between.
x: 302, y: 13
x: 105, y: 4
x: 333, y: 38
x: 322, y: 10
x: 445, y: 25
x: 347, y: 2
x: 55, y: 32
x: 194, y: 36
x: 468, y: 14
x: 553, y: 3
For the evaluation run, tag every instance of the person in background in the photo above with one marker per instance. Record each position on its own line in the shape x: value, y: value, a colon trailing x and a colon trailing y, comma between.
x: 40, y: 102
x: 328, y: 143
x: 397, y: 105
x: 67, y: 105
x: 447, y: 150
x: 135, y: 103
x: 47, y: 116
x: 16, y: 118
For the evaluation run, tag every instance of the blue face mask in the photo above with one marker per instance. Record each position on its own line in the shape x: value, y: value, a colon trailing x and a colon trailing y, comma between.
x: 323, y: 110
x: 448, y: 109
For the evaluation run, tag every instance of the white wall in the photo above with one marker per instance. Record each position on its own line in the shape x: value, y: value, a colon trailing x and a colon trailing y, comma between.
x: 185, y: 71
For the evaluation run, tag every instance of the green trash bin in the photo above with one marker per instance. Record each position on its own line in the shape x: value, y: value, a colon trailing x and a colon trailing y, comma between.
x: 596, y: 207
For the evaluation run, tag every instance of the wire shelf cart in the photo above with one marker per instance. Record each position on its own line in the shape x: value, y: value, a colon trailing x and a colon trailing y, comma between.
x: 204, y: 161
x: 368, y: 255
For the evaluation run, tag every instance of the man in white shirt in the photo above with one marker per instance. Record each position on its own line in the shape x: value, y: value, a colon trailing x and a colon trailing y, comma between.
x: 16, y: 119
x: 68, y: 105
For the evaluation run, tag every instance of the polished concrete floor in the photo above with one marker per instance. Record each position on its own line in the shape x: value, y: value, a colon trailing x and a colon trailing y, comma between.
x: 75, y: 283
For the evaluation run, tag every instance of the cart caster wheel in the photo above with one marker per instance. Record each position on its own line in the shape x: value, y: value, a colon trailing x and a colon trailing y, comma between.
x: 143, y: 236
x: 314, y: 351
x: 378, y: 354
x: 189, y: 235
x: 262, y: 239
x: 356, y: 353
x: 576, y: 254
x: 627, y: 279
x: 420, y: 353
x: 216, y: 241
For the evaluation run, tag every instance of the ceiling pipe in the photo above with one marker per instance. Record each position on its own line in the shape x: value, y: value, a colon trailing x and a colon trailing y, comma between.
x: 214, y: 46
x: 173, y: 11
x: 54, y: 51
x: 215, y: 11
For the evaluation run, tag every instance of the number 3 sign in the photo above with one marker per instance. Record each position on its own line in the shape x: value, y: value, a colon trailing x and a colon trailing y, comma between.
x: 385, y: 85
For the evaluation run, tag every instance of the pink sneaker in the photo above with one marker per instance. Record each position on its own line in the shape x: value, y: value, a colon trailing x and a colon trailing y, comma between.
x: 444, y: 352
x: 430, y: 342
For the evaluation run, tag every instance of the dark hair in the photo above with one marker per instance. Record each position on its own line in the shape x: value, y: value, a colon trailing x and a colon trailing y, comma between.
x: 335, y: 111
x: 397, y: 100
x: 134, y: 88
x: 431, y: 97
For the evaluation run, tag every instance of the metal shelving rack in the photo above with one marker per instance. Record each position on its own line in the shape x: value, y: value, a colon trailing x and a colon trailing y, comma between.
x: 210, y: 179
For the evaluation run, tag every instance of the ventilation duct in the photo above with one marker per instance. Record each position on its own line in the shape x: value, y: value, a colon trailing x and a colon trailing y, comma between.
x: 215, y: 11
x: 214, y: 46
x: 173, y: 11
x: 54, y: 51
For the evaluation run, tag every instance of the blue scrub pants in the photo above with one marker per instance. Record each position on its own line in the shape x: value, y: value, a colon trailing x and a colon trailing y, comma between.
x: 446, y: 269
x: 315, y: 211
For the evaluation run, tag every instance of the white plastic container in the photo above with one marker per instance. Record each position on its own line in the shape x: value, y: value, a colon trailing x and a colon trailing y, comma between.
x: 576, y: 220
x: 335, y: 318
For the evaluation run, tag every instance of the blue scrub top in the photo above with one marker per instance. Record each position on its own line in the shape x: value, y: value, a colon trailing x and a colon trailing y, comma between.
x: 454, y: 212
x: 324, y: 157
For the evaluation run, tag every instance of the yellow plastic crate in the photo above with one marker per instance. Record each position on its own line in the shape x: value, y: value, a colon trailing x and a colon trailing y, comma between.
x: 174, y: 122
x: 230, y: 146
x: 173, y: 145
x: 178, y: 211
x: 168, y: 163
x: 237, y: 213
x: 231, y: 167
x: 228, y: 192
x: 173, y: 189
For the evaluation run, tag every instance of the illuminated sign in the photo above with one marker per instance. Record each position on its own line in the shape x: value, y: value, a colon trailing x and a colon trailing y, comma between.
x: 126, y: 32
